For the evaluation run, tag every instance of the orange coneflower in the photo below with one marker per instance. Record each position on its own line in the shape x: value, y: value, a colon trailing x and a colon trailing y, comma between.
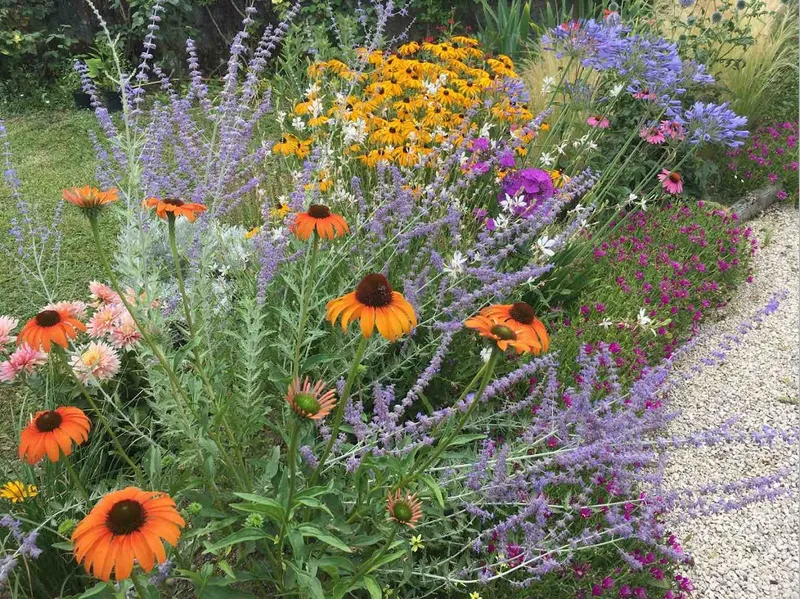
x: 123, y: 526
x: 310, y: 402
x: 90, y: 198
x: 505, y: 334
x: 48, y: 327
x: 319, y: 218
x: 375, y: 304
x: 523, y: 318
x: 175, y: 207
x: 404, y: 509
x: 52, y: 433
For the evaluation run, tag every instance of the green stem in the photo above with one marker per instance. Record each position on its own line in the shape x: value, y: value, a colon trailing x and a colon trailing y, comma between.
x: 101, y: 417
x: 305, y: 296
x: 447, y: 439
x: 337, y: 418
x: 365, y: 566
x: 291, y: 458
x: 179, y: 272
x: 75, y: 479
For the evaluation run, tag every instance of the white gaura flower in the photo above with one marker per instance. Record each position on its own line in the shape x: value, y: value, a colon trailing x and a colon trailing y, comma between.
x: 560, y: 148
x: 546, y: 245
x: 616, y: 90
x: 512, y: 203
x: 312, y: 89
x: 486, y: 353
x: 355, y: 132
x: 643, y: 319
x: 317, y: 107
x: 476, y: 257
x: 591, y: 146
x: 485, y: 128
x: 431, y: 87
x: 605, y: 323
x: 577, y: 209
x: 547, y: 85
x: 456, y: 265
x: 547, y: 159
x: 502, y: 221
x: 299, y: 123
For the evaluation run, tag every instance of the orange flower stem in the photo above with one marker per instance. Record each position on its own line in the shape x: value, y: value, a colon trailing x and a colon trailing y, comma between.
x: 365, y: 567
x: 339, y: 415
x: 100, y: 416
x: 305, y: 293
x: 173, y: 246
x: 487, y: 371
x: 291, y: 459
x: 75, y: 479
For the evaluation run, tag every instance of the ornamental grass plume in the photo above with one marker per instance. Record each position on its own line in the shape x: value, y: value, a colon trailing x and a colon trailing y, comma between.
x: 124, y: 526
x: 375, y: 305
x: 49, y: 327
x: 52, y: 433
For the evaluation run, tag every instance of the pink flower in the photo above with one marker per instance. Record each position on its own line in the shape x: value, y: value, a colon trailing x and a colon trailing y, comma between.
x: 98, y: 362
x: 74, y: 309
x: 103, y: 294
x: 645, y: 94
x: 125, y: 335
x: 7, y: 324
x: 672, y: 129
x: 671, y: 181
x: 652, y: 135
x: 598, y: 122
x: 25, y: 359
x: 103, y: 321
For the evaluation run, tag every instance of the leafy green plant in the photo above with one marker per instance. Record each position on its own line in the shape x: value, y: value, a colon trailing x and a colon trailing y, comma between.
x: 505, y: 28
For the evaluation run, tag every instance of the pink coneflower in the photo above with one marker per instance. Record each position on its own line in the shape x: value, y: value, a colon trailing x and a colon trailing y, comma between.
x: 7, y: 324
x: 98, y: 362
x: 672, y: 129
x: 652, y: 135
x: 309, y: 401
x: 74, y: 309
x: 671, y: 182
x: 103, y: 321
x: 24, y: 359
x: 404, y: 509
x: 645, y: 94
x: 103, y: 294
x: 598, y: 122
x: 125, y: 334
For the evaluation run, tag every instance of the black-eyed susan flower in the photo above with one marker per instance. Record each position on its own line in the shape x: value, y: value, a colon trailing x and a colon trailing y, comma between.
x: 252, y: 232
x: 124, y: 526
x: 16, y: 491
x: 523, y: 318
x: 175, y: 207
x: 310, y: 401
x: 48, y: 327
x: 404, y: 508
x: 319, y: 218
x: 504, y: 334
x: 52, y: 433
x: 374, y: 304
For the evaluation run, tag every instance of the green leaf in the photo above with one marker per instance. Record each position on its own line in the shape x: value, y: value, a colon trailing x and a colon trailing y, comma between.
x: 260, y: 505
x: 315, y: 504
x: 66, y: 546
x: 240, y: 536
x: 386, y: 559
x: 308, y: 582
x: 213, y: 591
x: 101, y: 589
x: 373, y: 587
x: 434, y: 488
x: 311, y: 530
x: 464, y: 439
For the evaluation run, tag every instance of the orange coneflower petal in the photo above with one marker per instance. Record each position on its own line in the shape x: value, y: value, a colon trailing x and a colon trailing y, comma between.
x: 367, y: 321
x: 144, y: 555
x: 105, y: 563
x: 382, y: 322
x: 52, y: 448
x: 155, y: 545
x: 123, y: 565
x: 351, y: 312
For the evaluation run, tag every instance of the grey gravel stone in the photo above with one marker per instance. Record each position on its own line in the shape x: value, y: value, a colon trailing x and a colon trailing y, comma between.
x: 751, y: 553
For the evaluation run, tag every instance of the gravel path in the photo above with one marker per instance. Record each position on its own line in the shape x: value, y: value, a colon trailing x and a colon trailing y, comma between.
x: 751, y: 553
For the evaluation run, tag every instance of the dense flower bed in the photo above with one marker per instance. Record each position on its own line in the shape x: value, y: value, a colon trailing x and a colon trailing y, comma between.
x: 387, y: 385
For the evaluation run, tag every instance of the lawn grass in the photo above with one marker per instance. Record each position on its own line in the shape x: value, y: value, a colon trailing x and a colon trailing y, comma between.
x: 50, y: 151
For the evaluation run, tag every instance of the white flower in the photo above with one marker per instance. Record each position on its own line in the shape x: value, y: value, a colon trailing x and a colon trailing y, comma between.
x: 643, y: 319
x: 547, y: 85
x: 502, y: 221
x: 476, y: 257
x: 298, y: 123
x: 486, y: 353
x: 605, y: 323
x: 355, y: 132
x: 591, y: 146
x: 431, y: 87
x: 312, y: 89
x: 485, y: 128
x: 545, y: 245
x: 577, y: 144
x: 456, y: 265
x: 577, y: 209
x: 317, y: 107
x: 560, y: 147
x: 512, y: 203
x: 547, y: 159
x: 632, y: 197
x: 280, y: 116
x: 616, y: 90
